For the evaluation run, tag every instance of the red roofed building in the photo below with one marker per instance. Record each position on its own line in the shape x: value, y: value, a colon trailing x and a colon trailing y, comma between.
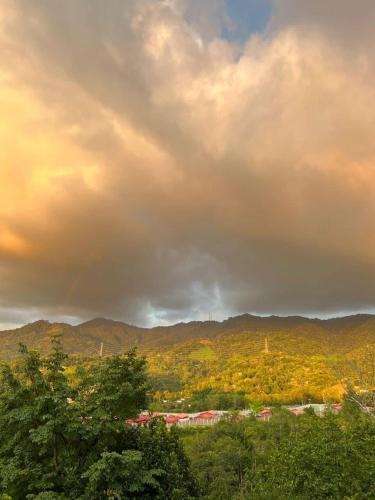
x: 297, y: 411
x: 336, y: 407
x: 171, y: 419
x: 265, y: 414
x: 207, y: 418
x: 175, y: 419
x: 141, y: 420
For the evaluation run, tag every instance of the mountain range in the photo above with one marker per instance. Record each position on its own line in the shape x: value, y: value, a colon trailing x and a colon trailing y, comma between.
x: 289, y: 334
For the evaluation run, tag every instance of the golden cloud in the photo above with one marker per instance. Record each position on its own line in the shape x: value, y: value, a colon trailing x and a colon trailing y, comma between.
x: 148, y: 169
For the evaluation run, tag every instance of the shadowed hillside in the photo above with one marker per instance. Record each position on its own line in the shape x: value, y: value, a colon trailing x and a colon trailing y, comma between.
x: 240, y: 334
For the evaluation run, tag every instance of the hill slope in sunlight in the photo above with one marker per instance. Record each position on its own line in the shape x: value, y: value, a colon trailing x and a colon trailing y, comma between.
x: 271, y: 359
x: 292, y: 335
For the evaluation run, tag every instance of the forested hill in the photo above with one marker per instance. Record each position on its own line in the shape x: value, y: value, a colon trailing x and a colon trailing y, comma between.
x: 292, y: 335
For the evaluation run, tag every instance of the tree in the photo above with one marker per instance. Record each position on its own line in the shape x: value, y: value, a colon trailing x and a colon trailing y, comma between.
x: 358, y: 379
x: 221, y: 456
x: 329, y: 457
x: 305, y: 457
x: 60, y: 441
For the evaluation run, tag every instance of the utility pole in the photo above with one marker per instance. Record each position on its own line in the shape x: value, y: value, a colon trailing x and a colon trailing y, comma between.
x: 266, y: 350
x: 101, y: 349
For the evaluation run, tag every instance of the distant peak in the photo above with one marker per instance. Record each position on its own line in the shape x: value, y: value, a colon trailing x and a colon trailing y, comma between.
x: 39, y: 323
x: 96, y: 321
x: 101, y: 322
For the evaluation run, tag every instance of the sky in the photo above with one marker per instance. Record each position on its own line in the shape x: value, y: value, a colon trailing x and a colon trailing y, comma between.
x: 161, y: 160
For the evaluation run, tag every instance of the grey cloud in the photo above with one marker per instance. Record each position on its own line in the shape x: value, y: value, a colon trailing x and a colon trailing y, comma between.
x: 194, y: 180
x: 345, y: 22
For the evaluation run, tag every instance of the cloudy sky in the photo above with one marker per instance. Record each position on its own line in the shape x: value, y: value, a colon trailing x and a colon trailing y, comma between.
x: 163, y: 159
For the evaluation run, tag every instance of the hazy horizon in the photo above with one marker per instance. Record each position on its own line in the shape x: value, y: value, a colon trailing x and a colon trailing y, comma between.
x: 76, y: 322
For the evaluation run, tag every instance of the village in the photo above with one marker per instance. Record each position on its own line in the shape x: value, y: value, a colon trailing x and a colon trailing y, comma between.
x: 212, y: 417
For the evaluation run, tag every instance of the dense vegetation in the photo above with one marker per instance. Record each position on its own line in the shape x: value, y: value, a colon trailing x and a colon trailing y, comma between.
x: 223, y: 365
x: 292, y: 335
x: 70, y: 441
x: 272, y: 378
x: 63, y: 435
x: 288, y: 457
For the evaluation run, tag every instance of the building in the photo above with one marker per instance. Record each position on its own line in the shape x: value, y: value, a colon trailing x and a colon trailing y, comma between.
x: 207, y: 418
x: 265, y: 414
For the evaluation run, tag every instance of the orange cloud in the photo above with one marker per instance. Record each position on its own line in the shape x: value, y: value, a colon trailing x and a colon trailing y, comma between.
x: 14, y: 245
x: 149, y: 169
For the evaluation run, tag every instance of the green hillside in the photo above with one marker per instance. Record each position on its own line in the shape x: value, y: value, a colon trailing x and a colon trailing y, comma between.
x: 270, y: 359
x: 292, y: 335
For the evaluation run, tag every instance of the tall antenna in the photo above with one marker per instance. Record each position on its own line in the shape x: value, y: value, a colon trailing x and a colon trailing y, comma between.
x: 101, y: 349
x: 210, y: 316
x: 266, y: 350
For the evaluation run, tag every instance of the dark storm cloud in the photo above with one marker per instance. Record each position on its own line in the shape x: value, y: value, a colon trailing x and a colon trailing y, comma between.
x: 151, y: 173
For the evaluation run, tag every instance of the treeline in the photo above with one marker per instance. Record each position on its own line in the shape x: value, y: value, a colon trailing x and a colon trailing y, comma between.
x: 288, y: 457
x: 203, y: 400
x: 63, y: 435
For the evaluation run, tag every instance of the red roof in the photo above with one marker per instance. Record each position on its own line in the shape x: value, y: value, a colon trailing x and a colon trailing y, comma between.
x: 296, y: 411
x: 265, y: 411
x: 207, y: 414
x: 171, y: 419
x: 144, y: 418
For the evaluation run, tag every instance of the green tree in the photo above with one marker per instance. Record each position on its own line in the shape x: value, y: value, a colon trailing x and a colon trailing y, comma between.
x: 305, y: 457
x: 329, y: 457
x: 60, y: 441
x: 221, y: 456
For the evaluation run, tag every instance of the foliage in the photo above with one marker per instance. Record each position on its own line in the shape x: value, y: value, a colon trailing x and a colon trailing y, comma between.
x: 272, y: 378
x: 323, y: 458
x: 63, y: 440
x: 291, y: 335
x: 275, y: 360
x: 306, y: 458
x: 203, y: 400
x: 63, y: 433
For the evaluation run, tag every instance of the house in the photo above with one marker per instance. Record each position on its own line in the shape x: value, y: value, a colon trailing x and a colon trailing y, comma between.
x: 207, y: 418
x: 173, y: 419
x: 265, y: 414
x: 169, y: 418
x: 143, y: 419
x: 131, y: 421
x: 336, y: 407
x: 297, y: 410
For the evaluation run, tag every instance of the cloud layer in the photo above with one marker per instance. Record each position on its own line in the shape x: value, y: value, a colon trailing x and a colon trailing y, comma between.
x: 151, y: 170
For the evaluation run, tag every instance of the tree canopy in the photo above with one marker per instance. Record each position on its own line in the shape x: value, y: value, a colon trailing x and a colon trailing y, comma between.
x: 64, y: 440
x: 289, y: 457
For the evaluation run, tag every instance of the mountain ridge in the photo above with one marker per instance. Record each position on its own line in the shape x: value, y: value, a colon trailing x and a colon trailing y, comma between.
x: 86, y: 338
x: 100, y: 320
